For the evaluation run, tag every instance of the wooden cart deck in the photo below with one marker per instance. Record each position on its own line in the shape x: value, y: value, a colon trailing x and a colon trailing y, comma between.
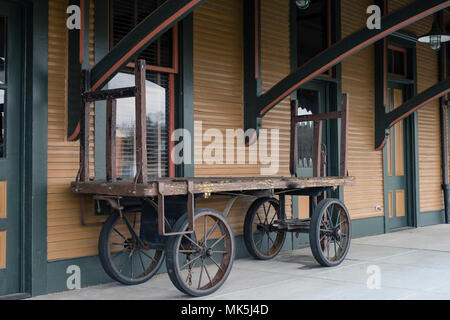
x: 179, y: 186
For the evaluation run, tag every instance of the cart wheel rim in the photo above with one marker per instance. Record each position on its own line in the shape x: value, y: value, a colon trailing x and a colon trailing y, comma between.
x: 204, y: 259
x: 267, y: 243
x: 334, y: 232
x: 131, y: 258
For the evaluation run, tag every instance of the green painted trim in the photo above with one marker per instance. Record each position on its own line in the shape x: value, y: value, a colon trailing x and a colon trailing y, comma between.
x: 431, y: 218
x: 414, y: 167
x: 367, y: 227
x: 293, y: 40
x: 185, y: 88
x: 36, y: 146
x: 252, y: 85
x: 101, y: 22
x: 411, y: 128
x: 74, y: 69
x: 91, y: 273
x: 295, y: 207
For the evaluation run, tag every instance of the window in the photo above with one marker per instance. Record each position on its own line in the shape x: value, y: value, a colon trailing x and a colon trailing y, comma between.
x: 397, y: 62
x: 162, y: 67
x: 2, y: 82
x: 2, y: 123
x: 308, y: 103
x: 314, y: 31
x: 2, y: 50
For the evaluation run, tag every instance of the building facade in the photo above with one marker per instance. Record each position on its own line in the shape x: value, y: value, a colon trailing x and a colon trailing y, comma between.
x: 200, y: 69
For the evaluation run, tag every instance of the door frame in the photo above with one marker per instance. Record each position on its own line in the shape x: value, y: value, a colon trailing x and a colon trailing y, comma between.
x: 322, y: 88
x: 35, y: 146
x: 34, y: 108
x: 409, y: 160
x: 404, y: 40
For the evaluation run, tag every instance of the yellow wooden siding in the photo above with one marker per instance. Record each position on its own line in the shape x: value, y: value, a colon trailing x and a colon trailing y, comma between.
x: 2, y: 249
x: 67, y: 238
x: 358, y: 80
x: 3, y: 199
x: 430, y: 170
x: 218, y: 84
x: 276, y: 65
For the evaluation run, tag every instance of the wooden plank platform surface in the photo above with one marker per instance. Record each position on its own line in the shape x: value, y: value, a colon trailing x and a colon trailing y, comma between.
x: 178, y: 186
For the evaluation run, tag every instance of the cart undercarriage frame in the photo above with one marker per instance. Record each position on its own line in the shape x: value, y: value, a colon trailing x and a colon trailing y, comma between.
x: 154, y: 219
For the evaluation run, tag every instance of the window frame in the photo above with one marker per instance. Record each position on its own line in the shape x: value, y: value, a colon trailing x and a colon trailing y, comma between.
x: 404, y: 52
x: 173, y: 72
x: 330, y: 73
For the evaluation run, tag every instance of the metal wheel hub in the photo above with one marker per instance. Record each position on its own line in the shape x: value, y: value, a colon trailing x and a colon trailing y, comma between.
x: 337, y: 233
x: 130, y: 244
x: 205, y: 252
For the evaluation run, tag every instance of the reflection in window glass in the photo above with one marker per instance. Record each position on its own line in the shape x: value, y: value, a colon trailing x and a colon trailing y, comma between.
x: 2, y: 50
x: 2, y: 124
x: 305, y: 144
x: 125, y: 132
x: 308, y: 103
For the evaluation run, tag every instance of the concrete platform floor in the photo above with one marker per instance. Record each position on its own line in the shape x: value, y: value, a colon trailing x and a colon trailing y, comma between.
x: 413, y: 264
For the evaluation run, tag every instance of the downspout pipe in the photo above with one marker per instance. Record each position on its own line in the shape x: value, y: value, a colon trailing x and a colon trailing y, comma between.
x: 444, y: 104
x: 446, y: 188
x: 444, y: 152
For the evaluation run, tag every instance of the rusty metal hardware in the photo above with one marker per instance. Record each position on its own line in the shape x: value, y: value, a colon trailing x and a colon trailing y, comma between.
x: 161, y: 209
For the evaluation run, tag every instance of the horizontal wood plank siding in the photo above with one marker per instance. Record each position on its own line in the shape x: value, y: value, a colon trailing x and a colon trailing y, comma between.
x: 218, y: 85
x: 358, y: 80
x: 276, y: 65
x: 67, y: 238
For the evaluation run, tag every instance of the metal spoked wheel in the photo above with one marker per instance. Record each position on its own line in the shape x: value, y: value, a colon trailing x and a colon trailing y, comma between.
x: 199, y: 263
x: 261, y: 240
x: 330, y: 232
x: 124, y: 255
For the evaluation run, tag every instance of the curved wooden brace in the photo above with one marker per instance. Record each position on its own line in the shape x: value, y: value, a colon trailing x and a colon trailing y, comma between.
x: 388, y: 120
x: 345, y: 48
x: 150, y: 29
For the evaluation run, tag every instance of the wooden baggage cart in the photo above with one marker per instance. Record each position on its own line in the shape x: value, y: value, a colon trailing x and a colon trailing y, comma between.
x: 154, y: 219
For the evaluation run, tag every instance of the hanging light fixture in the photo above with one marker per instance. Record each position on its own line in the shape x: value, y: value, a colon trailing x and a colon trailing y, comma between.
x: 302, y: 4
x: 435, y: 37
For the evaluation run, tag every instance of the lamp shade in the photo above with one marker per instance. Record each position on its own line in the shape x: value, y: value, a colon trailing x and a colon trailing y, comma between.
x: 302, y: 4
x: 435, y: 37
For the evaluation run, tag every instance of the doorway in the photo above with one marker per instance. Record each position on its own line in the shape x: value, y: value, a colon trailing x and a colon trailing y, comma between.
x: 312, y: 99
x: 396, y: 162
x: 11, y: 79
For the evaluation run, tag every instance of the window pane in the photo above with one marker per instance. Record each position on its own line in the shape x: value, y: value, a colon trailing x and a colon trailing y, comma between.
x: 2, y: 123
x: 128, y: 14
x: 308, y: 103
x: 2, y: 50
x: 157, y: 158
x: 399, y: 63
x: 312, y: 30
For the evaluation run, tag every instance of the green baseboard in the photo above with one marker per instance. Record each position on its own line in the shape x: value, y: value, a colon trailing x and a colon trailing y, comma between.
x: 431, y: 218
x: 367, y: 227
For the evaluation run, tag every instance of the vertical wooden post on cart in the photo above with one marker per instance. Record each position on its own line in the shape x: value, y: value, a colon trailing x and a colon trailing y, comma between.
x: 141, y: 120
x: 344, y: 136
x: 84, y: 129
x: 294, y: 138
x: 111, y: 164
x: 317, y: 148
